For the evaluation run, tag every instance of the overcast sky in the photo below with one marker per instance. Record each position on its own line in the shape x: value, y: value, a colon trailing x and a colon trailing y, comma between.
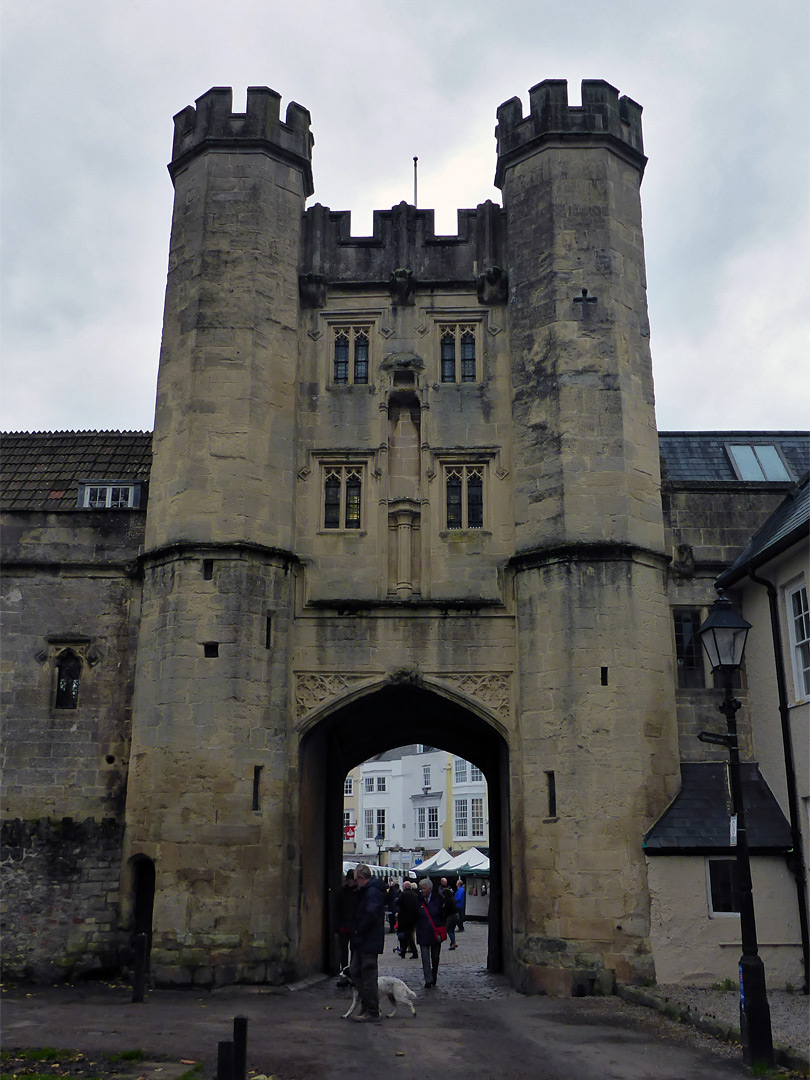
x: 90, y: 88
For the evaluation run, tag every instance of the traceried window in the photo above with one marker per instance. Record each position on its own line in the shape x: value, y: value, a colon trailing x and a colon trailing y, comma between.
x: 724, y: 896
x: 457, y: 347
x: 342, y: 496
x: 464, y: 493
x: 350, y: 355
x: 459, y: 771
x: 348, y: 786
x: 433, y: 822
x: 477, y: 817
x: 757, y: 461
x: 799, y: 626
x: 68, y: 676
x: 688, y: 650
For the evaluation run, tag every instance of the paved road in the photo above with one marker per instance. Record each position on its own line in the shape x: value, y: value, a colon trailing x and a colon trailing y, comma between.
x: 471, y: 1025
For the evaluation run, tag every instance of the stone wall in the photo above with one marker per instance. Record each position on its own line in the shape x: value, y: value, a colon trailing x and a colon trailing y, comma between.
x: 60, y: 898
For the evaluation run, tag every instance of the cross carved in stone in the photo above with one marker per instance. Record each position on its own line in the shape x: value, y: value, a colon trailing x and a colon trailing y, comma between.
x: 585, y: 299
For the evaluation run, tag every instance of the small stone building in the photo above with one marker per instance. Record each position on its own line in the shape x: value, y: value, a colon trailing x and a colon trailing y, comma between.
x: 402, y: 488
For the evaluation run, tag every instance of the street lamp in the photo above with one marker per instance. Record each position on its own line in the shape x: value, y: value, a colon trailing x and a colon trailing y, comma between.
x: 379, y: 840
x: 723, y: 635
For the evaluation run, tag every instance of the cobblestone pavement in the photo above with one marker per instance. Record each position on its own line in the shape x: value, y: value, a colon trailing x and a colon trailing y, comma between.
x: 462, y: 971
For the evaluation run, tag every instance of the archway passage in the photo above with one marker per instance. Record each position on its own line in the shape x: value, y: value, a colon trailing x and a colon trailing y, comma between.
x: 394, y: 715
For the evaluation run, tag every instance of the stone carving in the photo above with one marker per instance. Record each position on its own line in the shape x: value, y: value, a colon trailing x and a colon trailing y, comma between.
x: 401, y: 285
x: 492, y: 690
x: 492, y: 286
x: 312, y: 688
x: 312, y: 288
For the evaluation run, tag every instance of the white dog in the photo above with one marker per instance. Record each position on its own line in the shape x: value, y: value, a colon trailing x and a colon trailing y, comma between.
x: 397, y: 992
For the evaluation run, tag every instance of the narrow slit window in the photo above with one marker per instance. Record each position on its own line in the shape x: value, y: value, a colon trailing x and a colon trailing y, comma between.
x: 68, y: 676
x: 257, y: 776
x: 551, y: 788
x: 604, y: 676
x: 268, y: 632
x: 208, y: 569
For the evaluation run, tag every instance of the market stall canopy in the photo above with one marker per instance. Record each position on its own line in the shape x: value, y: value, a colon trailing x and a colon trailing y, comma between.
x: 472, y: 861
x: 435, y: 862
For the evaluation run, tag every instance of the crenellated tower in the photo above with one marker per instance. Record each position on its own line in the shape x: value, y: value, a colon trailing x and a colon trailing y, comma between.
x: 596, y: 692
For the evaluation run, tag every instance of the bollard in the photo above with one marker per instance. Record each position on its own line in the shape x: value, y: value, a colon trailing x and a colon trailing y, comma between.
x: 225, y: 1060
x: 139, y: 980
x: 240, y: 1047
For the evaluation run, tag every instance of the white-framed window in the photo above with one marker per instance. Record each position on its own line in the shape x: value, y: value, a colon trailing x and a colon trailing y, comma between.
x: 458, y: 353
x: 476, y: 816
x: 348, y: 786
x: 347, y: 818
x: 381, y: 783
x: 368, y: 824
x: 368, y: 783
x: 350, y: 355
x: 342, y: 489
x: 426, y: 776
x: 476, y: 776
x: 461, y: 819
x: 464, y: 495
x: 721, y: 887
x: 380, y: 824
x: 459, y: 771
x: 421, y: 818
x: 433, y: 822
x: 799, y: 630
x: 757, y: 461
x: 104, y: 496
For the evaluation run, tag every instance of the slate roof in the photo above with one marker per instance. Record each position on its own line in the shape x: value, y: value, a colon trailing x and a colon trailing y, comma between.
x: 787, y: 525
x: 697, y: 821
x: 701, y: 456
x: 42, y: 470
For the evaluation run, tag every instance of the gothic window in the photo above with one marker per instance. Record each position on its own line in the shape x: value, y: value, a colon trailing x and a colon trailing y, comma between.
x: 350, y: 355
x: 68, y: 674
x: 342, y: 491
x: 464, y: 491
x: 688, y: 650
x: 457, y: 351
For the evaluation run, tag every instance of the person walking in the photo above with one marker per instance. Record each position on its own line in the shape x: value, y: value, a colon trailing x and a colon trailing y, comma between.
x: 461, y: 903
x: 347, y: 901
x: 430, y: 919
x: 407, y: 915
x: 367, y: 941
x: 450, y: 915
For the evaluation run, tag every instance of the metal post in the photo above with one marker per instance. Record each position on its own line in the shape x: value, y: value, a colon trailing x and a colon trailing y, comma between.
x: 139, y: 979
x: 755, y: 1015
x: 225, y: 1060
x: 240, y: 1024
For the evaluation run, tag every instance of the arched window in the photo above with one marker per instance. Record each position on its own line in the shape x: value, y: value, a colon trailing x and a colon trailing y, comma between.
x: 68, y: 674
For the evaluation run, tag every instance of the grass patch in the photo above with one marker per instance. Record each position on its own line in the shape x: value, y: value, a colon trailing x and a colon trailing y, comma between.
x: 127, y: 1055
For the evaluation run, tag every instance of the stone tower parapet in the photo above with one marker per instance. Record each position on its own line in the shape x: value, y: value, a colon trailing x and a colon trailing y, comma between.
x: 603, y: 114
x: 212, y: 125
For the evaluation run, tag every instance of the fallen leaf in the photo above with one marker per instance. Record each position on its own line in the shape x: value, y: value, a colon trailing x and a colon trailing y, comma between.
x: 187, y: 1061
x: 400, y: 1053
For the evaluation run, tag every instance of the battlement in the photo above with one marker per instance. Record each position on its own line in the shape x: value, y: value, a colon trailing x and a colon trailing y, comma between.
x: 214, y: 125
x: 602, y: 115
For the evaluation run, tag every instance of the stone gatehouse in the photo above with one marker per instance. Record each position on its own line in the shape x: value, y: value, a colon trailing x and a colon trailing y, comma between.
x: 401, y: 488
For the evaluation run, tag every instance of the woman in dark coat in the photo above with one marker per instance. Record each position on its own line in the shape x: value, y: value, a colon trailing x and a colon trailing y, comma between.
x: 429, y: 902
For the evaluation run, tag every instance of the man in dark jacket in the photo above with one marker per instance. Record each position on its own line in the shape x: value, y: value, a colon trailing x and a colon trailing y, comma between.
x: 407, y: 915
x: 367, y: 942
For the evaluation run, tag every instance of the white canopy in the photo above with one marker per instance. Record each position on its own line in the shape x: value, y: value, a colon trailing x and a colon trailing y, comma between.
x: 435, y: 862
x: 471, y: 861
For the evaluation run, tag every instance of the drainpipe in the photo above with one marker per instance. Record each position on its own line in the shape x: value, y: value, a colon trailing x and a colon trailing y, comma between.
x: 795, y: 860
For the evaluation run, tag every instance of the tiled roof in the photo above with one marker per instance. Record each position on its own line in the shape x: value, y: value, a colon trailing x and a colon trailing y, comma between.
x: 697, y: 822
x: 42, y: 470
x: 787, y: 525
x: 701, y: 455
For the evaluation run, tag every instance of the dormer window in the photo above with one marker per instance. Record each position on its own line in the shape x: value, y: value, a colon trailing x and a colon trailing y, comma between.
x: 108, y: 495
x: 757, y: 461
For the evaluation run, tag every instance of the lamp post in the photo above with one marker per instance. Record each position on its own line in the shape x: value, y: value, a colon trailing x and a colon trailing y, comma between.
x: 723, y: 635
x: 379, y: 840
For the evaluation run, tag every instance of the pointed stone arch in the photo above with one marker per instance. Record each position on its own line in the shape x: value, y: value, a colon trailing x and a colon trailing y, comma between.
x: 402, y: 709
